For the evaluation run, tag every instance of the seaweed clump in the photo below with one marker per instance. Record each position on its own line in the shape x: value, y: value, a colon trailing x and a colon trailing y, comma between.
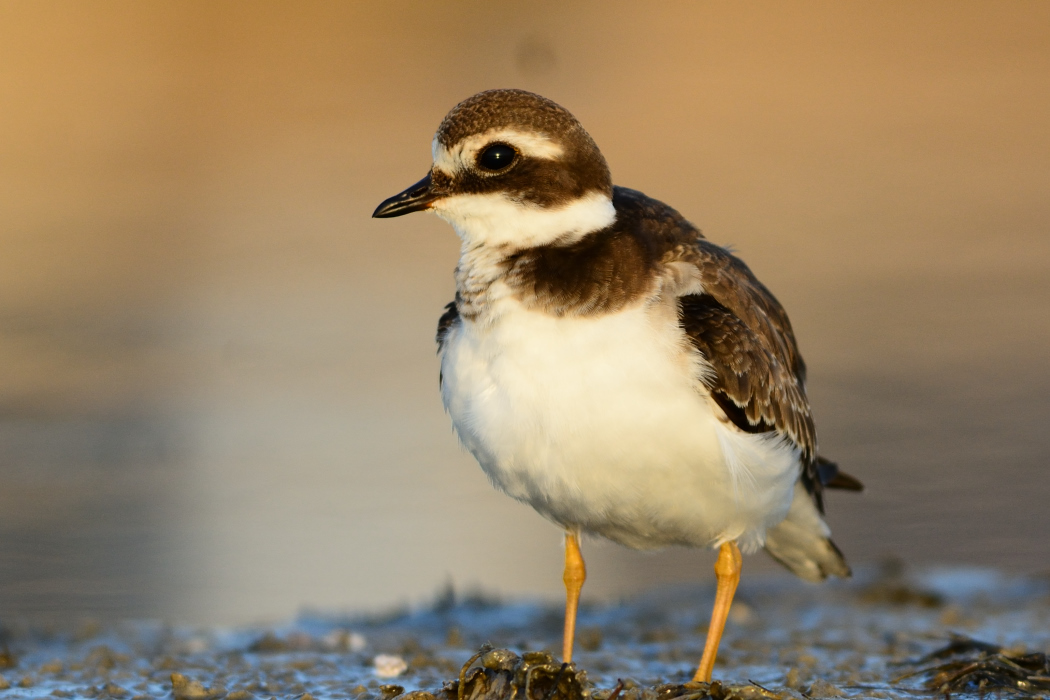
x: 972, y: 666
x: 500, y: 674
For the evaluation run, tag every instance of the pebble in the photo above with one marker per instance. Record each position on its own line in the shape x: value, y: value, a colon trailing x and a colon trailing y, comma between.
x: 389, y: 665
x: 115, y: 691
x: 183, y: 688
x: 822, y: 689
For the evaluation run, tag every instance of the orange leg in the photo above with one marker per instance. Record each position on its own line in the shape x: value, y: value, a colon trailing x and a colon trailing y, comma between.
x: 575, y: 575
x: 727, y: 570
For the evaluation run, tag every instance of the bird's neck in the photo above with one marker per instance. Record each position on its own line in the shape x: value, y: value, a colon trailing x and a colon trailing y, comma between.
x: 494, y: 229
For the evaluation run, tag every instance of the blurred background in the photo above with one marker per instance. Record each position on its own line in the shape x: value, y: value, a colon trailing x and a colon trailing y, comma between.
x: 218, y: 383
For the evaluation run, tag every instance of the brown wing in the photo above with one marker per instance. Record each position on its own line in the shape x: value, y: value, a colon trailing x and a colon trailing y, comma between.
x: 753, y: 384
x: 760, y: 378
x: 744, y: 333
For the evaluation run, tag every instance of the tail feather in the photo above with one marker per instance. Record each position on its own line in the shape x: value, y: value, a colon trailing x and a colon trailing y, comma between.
x: 831, y: 477
x: 802, y: 542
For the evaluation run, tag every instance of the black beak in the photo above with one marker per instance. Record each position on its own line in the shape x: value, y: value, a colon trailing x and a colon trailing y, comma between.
x: 418, y: 197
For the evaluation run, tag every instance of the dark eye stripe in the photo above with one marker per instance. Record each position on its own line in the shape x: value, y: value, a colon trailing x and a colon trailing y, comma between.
x: 497, y: 157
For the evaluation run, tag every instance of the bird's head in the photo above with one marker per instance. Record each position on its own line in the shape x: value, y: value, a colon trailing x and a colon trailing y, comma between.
x: 512, y: 169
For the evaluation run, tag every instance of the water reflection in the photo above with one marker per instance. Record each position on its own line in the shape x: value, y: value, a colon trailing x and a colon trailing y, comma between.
x: 89, y: 509
x: 219, y: 394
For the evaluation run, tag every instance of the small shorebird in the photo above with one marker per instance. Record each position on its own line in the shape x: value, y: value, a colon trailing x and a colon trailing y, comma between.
x: 611, y: 367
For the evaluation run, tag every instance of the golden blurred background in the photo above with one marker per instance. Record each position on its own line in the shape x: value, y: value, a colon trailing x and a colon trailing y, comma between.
x: 218, y: 396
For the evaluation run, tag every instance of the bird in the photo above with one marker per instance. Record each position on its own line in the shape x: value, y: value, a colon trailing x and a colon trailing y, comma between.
x: 611, y: 367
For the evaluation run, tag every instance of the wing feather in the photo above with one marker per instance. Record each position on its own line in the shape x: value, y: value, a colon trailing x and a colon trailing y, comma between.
x: 759, y: 377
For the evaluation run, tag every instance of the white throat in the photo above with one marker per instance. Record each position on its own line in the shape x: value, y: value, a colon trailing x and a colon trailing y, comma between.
x: 496, y: 220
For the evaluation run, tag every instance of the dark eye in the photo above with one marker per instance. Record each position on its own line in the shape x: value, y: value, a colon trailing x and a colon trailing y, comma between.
x: 497, y: 157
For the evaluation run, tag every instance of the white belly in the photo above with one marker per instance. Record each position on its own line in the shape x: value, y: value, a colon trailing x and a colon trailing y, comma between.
x: 602, y: 424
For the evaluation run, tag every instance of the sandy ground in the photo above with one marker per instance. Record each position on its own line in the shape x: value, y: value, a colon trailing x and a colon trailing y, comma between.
x: 784, y: 638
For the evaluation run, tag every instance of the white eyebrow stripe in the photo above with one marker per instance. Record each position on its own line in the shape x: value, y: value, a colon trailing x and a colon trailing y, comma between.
x: 462, y: 154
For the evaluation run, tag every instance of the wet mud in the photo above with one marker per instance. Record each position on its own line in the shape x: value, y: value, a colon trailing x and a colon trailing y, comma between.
x: 957, y: 633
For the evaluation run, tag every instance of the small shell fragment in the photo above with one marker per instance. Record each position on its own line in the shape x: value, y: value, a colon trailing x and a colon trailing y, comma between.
x: 389, y: 665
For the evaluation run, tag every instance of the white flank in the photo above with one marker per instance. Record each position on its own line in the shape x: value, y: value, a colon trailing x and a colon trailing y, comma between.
x: 601, y: 424
x: 497, y: 221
